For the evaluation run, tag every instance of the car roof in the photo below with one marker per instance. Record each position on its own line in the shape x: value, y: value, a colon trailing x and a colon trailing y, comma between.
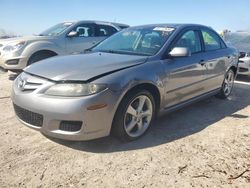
x: 99, y: 22
x: 173, y: 25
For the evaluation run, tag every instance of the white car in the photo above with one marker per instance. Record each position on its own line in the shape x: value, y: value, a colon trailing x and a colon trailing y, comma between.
x: 244, y: 64
x: 61, y: 39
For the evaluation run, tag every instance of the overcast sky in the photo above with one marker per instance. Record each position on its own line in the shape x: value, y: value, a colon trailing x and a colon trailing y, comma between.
x: 26, y: 17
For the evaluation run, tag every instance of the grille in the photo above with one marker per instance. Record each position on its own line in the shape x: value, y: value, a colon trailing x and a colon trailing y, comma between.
x: 243, y: 69
x: 27, y: 82
x: 71, y: 126
x: 28, y: 116
x: 29, y: 86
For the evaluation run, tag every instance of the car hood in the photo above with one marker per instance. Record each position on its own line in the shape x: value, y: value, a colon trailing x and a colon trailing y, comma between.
x: 83, y: 67
x: 27, y: 38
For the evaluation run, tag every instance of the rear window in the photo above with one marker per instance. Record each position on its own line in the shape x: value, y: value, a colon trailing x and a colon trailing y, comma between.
x: 212, y: 41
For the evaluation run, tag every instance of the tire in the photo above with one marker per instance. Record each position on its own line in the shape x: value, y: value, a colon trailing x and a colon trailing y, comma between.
x: 227, y: 85
x: 128, y: 127
x: 38, y: 56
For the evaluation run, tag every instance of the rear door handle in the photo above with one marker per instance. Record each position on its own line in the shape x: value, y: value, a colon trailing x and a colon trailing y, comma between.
x: 202, y: 62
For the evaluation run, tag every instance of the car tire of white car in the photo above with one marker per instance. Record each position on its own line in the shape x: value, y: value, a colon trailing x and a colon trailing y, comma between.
x: 40, y: 55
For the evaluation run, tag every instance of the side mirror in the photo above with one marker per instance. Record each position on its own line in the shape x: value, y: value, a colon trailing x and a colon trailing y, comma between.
x: 72, y: 34
x: 180, y: 52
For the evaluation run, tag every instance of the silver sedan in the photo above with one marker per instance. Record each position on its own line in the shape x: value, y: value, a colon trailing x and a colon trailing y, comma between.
x: 120, y: 85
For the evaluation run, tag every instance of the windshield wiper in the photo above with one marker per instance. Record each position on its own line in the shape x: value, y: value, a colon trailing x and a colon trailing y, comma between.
x: 109, y: 51
x: 123, y: 52
x: 137, y: 53
x: 87, y: 50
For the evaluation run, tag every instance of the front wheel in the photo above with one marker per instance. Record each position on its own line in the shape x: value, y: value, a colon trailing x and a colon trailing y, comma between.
x: 227, y: 85
x: 134, y: 115
x: 41, y: 55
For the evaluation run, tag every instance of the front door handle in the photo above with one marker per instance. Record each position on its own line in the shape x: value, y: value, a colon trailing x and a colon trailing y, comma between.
x: 202, y: 62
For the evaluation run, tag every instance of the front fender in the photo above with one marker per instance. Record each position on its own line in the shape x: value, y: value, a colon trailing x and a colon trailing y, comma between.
x: 147, y: 73
x: 234, y: 60
x: 34, y: 47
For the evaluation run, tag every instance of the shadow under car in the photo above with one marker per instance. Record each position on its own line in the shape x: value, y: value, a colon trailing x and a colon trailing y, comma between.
x: 176, y: 125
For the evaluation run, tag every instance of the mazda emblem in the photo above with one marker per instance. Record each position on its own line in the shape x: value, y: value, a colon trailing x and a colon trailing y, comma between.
x: 21, y: 84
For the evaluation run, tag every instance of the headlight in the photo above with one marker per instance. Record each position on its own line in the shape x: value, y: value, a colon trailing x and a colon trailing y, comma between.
x: 75, y: 90
x: 13, y: 46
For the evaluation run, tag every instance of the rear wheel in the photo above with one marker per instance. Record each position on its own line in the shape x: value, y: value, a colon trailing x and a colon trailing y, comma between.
x: 134, y: 115
x: 38, y: 56
x: 227, y: 85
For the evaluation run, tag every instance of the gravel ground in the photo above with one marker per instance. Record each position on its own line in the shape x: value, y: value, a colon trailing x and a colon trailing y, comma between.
x: 204, y: 145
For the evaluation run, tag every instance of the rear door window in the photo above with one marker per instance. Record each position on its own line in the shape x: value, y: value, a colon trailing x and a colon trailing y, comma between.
x: 105, y: 30
x: 211, y: 40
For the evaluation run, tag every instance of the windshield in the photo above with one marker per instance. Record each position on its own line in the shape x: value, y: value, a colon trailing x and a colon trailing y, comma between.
x: 56, y: 30
x: 139, y: 41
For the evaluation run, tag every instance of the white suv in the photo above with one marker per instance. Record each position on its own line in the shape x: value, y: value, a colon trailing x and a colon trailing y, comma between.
x: 61, y: 39
x: 244, y: 64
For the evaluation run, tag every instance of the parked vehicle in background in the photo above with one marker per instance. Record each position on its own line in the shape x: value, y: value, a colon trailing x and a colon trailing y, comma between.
x: 124, y: 81
x: 241, y: 40
x: 61, y: 39
x: 244, y: 63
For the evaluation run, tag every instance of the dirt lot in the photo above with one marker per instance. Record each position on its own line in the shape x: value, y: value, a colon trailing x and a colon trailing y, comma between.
x: 203, y: 145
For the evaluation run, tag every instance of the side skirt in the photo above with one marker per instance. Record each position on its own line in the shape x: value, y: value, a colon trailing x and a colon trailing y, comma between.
x: 188, y: 102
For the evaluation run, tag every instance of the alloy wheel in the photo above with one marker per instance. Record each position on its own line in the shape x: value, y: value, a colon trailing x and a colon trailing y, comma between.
x: 228, y: 83
x: 138, y: 116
